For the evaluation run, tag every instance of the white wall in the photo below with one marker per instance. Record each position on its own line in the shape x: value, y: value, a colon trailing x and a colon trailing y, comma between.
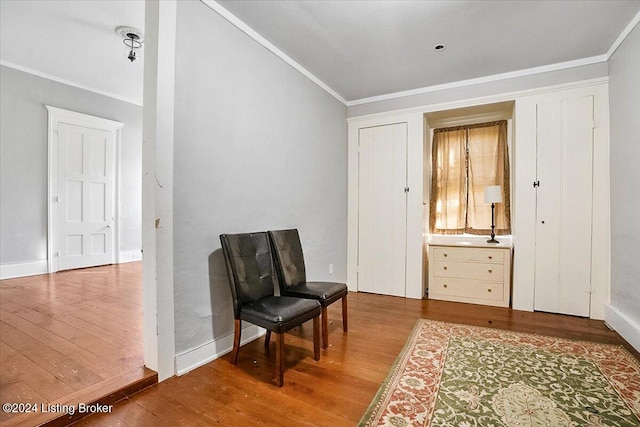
x: 23, y: 164
x: 257, y: 146
x: 624, y: 98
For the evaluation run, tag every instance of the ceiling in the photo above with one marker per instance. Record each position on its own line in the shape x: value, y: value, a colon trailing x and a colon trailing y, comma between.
x: 359, y: 49
x: 74, y: 41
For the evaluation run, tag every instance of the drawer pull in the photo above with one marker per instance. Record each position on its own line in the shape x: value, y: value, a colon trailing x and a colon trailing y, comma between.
x: 445, y: 285
x: 490, y: 271
x: 445, y: 267
x: 490, y: 257
x: 445, y: 255
x: 489, y: 290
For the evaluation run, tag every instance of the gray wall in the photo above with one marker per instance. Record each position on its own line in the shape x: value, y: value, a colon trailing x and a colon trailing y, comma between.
x: 624, y: 98
x: 257, y: 146
x: 514, y: 84
x: 23, y: 161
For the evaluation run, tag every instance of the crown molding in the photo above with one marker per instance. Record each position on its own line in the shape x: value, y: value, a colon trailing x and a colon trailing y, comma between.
x: 68, y: 82
x: 623, y: 35
x: 235, y: 21
x: 479, y: 80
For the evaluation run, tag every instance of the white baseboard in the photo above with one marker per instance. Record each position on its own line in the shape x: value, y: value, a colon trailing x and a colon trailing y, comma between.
x: 623, y: 324
x: 129, y: 256
x: 22, y: 269
x: 194, y: 358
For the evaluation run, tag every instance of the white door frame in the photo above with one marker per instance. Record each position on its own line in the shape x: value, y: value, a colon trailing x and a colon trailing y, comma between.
x: 57, y: 116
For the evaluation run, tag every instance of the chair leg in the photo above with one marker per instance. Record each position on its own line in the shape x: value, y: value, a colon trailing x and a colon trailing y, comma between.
x: 316, y: 338
x: 267, y: 338
x: 236, y: 341
x: 280, y: 359
x: 325, y: 328
x: 345, y: 321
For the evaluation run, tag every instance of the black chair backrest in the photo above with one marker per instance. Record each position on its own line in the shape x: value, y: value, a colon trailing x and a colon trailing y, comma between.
x: 250, y: 267
x: 289, y: 257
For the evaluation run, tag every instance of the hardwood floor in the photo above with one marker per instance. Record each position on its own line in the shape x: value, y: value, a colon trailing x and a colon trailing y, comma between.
x: 71, y: 335
x: 334, y: 391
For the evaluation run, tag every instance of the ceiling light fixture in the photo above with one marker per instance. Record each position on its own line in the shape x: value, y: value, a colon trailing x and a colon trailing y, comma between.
x: 438, y: 47
x: 132, y: 38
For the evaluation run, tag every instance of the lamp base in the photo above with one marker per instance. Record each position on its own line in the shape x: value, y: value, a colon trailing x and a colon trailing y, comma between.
x: 492, y: 240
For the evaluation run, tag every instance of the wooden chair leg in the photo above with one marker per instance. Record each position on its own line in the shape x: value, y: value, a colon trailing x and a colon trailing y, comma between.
x: 345, y: 321
x: 325, y: 328
x: 316, y: 338
x: 236, y: 341
x: 267, y: 338
x: 280, y: 359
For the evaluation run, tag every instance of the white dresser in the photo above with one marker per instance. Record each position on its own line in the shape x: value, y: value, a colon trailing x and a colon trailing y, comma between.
x: 471, y: 272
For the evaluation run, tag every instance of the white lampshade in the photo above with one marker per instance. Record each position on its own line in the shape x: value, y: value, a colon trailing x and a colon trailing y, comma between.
x: 493, y: 194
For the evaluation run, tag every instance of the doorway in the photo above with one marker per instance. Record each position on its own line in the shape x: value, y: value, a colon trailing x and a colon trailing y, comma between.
x: 82, y: 189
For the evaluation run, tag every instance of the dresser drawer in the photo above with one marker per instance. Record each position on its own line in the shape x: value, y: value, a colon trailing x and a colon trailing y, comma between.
x: 478, y: 274
x: 465, y: 289
x: 468, y: 270
x: 446, y: 253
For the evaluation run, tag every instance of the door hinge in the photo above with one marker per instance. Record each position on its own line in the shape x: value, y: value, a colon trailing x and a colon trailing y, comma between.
x: 536, y: 184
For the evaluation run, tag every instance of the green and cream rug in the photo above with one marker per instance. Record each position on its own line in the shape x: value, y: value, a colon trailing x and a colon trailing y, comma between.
x: 457, y: 375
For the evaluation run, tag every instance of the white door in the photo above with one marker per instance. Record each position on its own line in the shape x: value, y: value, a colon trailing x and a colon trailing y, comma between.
x: 382, y: 209
x: 85, y: 204
x: 564, y: 205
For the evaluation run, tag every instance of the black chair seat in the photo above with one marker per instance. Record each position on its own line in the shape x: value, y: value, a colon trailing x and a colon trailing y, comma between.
x: 279, y: 314
x: 325, y: 292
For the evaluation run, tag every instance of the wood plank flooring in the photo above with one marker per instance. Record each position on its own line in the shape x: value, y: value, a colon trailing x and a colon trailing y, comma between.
x: 334, y: 391
x: 72, y: 333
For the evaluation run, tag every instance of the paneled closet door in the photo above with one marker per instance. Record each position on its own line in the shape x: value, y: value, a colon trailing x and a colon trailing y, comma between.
x: 564, y: 205
x: 382, y: 209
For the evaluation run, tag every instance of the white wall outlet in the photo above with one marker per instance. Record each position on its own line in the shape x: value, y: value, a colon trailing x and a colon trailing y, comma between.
x: 330, y: 268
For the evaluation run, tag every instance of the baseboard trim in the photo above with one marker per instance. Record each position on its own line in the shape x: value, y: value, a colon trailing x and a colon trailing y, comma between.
x: 22, y: 269
x: 623, y: 324
x: 194, y: 358
x: 129, y: 256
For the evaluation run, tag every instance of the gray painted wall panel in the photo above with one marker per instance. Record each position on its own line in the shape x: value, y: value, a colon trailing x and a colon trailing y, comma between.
x: 257, y: 146
x: 624, y: 98
x: 23, y: 162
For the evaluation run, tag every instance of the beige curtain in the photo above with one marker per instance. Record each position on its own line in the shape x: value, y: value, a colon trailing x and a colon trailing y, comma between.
x: 449, y: 181
x: 459, y: 175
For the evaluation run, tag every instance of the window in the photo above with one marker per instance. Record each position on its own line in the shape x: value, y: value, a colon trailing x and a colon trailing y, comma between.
x: 466, y: 159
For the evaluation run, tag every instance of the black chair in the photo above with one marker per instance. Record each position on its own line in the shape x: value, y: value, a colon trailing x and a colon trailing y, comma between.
x: 250, y: 267
x: 293, y: 280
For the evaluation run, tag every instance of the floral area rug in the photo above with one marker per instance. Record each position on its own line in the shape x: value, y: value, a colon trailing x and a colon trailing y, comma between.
x: 457, y: 375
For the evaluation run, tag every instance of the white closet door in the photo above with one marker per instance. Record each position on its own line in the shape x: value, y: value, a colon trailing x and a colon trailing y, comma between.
x: 564, y: 206
x: 382, y: 209
x: 86, y: 180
